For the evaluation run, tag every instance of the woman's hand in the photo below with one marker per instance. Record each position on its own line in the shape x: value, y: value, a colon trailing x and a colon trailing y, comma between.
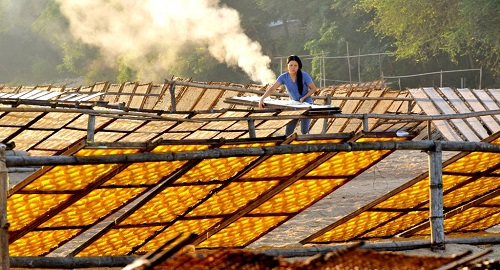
x: 301, y: 100
x: 261, y: 104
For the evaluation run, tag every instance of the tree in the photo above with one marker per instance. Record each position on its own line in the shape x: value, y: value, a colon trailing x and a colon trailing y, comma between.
x: 423, y: 29
x: 343, y: 30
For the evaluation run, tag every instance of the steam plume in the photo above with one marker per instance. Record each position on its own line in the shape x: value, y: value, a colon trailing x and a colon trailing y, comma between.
x: 136, y: 29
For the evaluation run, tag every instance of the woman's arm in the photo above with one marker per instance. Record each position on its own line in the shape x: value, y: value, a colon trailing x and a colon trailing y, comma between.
x: 312, y: 90
x: 268, y: 92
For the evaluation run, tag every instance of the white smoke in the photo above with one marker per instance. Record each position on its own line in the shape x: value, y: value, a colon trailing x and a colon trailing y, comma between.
x: 135, y: 29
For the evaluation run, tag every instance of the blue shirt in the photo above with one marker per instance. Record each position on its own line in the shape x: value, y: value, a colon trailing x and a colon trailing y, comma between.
x: 292, y: 87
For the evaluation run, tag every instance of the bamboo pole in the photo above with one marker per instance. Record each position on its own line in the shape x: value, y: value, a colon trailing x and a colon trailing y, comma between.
x: 348, y: 62
x: 4, y: 225
x: 436, y: 198
x: 399, y: 245
x: 223, y: 87
x: 251, y: 128
x: 325, y: 121
x: 22, y: 161
x: 102, y: 113
x: 71, y: 262
x: 91, y: 129
x: 122, y: 261
x: 156, y: 117
x: 172, y: 96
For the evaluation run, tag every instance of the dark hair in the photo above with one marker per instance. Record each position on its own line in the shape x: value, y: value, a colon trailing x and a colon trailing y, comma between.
x: 295, y: 58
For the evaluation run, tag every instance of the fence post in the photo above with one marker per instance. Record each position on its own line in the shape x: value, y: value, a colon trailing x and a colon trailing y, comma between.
x: 4, y: 225
x: 429, y: 131
x: 251, y: 128
x: 365, y: 123
x: 348, y: 62
x: 436, y: 198
x: 480, y: 76
x: 172, y: 96
x: 325, y: 121
x: 91, y: 128
x: 359, y: 65
x: 441, y: 79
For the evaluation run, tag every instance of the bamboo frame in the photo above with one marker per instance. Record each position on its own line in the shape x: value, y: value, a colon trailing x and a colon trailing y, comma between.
x: 156, y: 117
x: 122, y: 261
x: 4, y: 225
x: 23, y: 161
x: 436, y: 198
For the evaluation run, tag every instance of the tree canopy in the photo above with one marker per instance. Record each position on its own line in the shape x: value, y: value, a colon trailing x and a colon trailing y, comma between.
x: 460, y: 29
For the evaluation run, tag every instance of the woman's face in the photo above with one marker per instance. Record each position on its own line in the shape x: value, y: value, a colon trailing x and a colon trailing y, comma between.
x: 293, y: 66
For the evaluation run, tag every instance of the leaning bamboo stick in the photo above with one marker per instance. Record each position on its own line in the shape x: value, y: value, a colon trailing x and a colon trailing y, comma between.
x: 121, y: 261
x: 158, y: 117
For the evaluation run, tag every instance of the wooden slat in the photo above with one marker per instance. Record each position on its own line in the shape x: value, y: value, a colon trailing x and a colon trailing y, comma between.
x: 487, y: 101
x: 428, y: 107
x: 40, y: 94
x: 495, y: 93
x: 364, y: 107
x: 423, y: 132
x: 128, y: 88
x: 208, y: 99
x: 48, y: 95
x: 19, y: 95
x: 380, y: 108
x: 10, y: 89
x: 188, y: 98
x: 150, y: 101
x: 445, y: 108
x: 44, y: 87
x: 100, y: 87
x: 349, y: 106
x: 9, y: 95
x: 136, y: 101
x: 165, y: 102
x: 29, y: 94
x: 317, y: 127
x: 476, y: 106
x: 460, y: 106
x: 69, y: 96
x: 77, y: 97
x: 113, y: 88
x: 89, y: 97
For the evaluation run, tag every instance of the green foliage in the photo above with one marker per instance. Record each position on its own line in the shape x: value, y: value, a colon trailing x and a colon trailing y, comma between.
x: 344, y: 32
x: 195, y: 62
x: 481, y: 31
x: 425, y: 29
x: 125, y: 73
x: 421, y: 28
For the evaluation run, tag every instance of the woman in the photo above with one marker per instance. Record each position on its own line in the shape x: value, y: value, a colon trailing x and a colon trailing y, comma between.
x: 301, y: 91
